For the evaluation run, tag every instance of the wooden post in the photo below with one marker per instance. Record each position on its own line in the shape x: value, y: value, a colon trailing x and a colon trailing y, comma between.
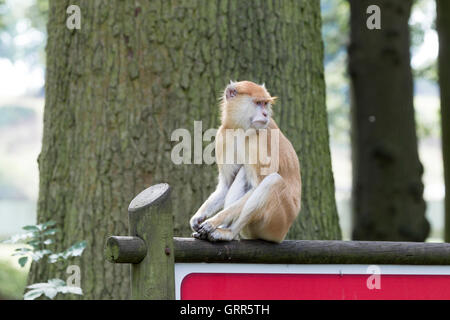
x: 149, y: 248
x: 150, y: 218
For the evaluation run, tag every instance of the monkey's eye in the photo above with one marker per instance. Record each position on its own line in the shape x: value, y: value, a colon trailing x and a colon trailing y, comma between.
x: 261, y: 104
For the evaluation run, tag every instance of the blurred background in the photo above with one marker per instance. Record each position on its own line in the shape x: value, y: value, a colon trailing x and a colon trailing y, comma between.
x: 22, y: 73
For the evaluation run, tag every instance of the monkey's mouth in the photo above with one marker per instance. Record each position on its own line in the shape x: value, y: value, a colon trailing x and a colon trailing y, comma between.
x: 260, y: 124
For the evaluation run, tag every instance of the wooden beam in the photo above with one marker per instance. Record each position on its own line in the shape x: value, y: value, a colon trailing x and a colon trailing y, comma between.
x: 312, y: 252
x: 120, y: 249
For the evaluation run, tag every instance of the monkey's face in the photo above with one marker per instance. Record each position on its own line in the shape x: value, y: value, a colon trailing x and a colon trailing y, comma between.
x: 261, y: 115
x: 247, y: 105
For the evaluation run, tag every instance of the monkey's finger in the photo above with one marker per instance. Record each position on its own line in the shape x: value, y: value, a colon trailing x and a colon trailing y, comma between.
x: 206, y: 227
x: 195, y: 223
x: 199, y: 236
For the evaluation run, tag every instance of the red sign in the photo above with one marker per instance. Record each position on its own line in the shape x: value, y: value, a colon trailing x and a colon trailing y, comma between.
x: 272, y: 286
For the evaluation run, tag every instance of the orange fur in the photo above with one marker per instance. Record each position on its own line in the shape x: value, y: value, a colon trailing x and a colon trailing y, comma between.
x: 269, y: 207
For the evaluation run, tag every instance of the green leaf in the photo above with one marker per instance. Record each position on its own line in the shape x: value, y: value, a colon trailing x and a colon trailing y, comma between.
x: 19, y: 237
x: 55, y: 257
x: 21, y: 251
x: 47, y: 224
x: 39, y: 254
x: 35, y: 243
x: 40, y: 285
x: 75, y: 250
x: 70, y: 289
x: 47, y: 242
x: 57, y: 282
x: 50, y: 232
x: 50, y: 289
x: 33, y: 294
x: 31, y: 228
x: 23, y: 261
x: 50, y: 292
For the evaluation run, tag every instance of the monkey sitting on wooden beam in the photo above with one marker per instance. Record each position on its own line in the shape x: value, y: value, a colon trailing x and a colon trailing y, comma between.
x: 259, y: 196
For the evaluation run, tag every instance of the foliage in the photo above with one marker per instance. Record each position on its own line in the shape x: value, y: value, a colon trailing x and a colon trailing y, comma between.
x: 2, y: 14
x: 335, y: 31
x: 38, y: 14
x: 12, y: 281
x: 50, y: 289
x: 335, y: 27
x: 27, y: 21
x: 428, y: 70
x: 39, y: 239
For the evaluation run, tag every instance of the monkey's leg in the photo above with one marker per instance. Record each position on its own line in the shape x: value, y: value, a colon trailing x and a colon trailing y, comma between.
x: 262, y: 198
x: 238, y: 189
x: 224, y: 217
x: 213, y: 204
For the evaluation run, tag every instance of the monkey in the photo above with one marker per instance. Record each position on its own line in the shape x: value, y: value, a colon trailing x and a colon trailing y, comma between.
x: 249, y: 203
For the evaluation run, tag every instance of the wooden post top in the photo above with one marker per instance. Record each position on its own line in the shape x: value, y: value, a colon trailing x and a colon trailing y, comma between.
x: 153, y: 195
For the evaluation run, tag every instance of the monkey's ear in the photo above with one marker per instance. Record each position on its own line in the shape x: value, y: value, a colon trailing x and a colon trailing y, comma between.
x: 273, y: 100
x: 230, y: 92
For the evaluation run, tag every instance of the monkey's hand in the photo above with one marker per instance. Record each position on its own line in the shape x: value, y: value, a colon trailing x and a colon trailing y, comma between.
x: 203, y: 230
x: 196, y: 220
x: 208, y: 232
x: 214, y: 202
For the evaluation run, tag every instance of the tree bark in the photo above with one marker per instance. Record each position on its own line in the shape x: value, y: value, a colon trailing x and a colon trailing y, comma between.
x: 388, y: 199
x: 443, y: 27
x: 137, y: 70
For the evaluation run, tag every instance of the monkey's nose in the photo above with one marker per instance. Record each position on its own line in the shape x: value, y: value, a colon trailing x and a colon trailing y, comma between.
x: 264, y: 113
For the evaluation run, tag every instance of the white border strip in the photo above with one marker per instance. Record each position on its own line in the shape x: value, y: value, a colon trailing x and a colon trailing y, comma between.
x: 183, y: 269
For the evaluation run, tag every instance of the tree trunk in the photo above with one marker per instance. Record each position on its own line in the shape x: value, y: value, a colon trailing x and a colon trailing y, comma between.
x: 443, y: 27
x: 387, y: 174
x: 138, y: 70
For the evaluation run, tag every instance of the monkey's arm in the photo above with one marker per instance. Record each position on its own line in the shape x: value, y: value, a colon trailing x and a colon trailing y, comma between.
x: 224, y: 217
x: 214, y: 203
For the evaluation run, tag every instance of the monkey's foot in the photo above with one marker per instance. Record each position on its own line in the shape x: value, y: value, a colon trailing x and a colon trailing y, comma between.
x: 197, y: 235
x: 220, y: 234
x: 205, y: 228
